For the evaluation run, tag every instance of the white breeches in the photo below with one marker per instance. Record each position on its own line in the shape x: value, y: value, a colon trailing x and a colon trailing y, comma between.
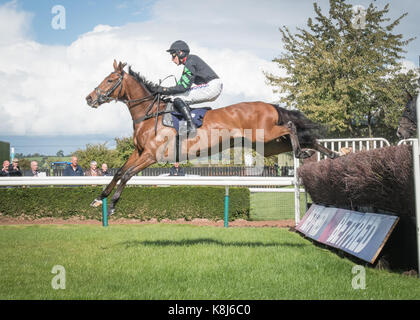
x: 201, y: 93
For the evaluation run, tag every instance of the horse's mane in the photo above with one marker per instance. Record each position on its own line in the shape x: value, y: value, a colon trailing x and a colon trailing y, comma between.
x: 142, y: 80
x: 307, y: 130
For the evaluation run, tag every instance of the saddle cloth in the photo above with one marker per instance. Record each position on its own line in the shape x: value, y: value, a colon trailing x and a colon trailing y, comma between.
x: 174, y: 119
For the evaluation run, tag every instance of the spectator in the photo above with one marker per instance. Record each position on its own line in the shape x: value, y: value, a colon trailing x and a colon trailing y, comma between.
x: 5, y: 170
x: 73, y: 169
x: 34, y: 169
x: 176, y: 170
x: 93, y: 170
x: 105, y: 171
x: 14, y: 169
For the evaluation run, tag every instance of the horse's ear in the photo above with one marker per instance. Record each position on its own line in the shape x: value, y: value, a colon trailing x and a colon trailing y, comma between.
x: 115, y: 65
x: 121, y: 66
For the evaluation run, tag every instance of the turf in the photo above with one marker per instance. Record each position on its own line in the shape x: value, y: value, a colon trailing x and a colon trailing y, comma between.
x: 181, y: 262
x: 274, y: 206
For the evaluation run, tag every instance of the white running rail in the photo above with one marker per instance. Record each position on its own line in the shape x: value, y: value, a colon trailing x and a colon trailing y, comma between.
x: 357, y: 144
x: 142, y: 180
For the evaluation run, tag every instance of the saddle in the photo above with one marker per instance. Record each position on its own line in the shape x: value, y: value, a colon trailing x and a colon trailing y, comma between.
x: 173, y: 119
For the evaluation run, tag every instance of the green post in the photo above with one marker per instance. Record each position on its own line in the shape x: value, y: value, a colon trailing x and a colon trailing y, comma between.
x: 104, y: 212
x: 227, y: 207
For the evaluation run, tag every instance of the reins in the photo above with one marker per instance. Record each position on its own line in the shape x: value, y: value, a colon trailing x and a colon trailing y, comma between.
x: 156, y: 99
x: 149, y: 108
x: 105, y: 97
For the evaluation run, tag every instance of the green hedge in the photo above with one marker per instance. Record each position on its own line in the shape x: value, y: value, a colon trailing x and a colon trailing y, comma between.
x: 141, y: 203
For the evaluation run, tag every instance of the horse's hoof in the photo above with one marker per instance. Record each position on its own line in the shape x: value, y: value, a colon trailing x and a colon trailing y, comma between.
x: 304, y: 154
x: 96, y: 203
x: 111, y: 212
x: 308, y: 153
x: 335, y: 155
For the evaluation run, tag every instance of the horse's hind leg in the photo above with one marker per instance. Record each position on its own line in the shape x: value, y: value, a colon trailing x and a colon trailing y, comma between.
x: 107, y: 191
x: 141, y: 163
x: 297, y: 150
x: 329, y: 153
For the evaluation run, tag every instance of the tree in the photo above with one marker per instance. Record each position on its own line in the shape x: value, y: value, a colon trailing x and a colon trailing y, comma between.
x: 124, y: 149
x: 24, y: 164
x: 99, y: 153
x: 346, y: 73
x: 60, y: 153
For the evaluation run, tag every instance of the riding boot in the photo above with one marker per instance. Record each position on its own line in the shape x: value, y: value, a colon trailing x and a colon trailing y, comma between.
x: 182, y: 107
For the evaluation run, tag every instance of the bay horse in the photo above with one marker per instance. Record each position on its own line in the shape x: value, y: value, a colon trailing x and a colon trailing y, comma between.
x: 407, y: 126
x: 283, y: 130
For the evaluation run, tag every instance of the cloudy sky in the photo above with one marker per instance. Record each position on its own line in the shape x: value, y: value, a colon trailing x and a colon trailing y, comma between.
x: 47, y: 68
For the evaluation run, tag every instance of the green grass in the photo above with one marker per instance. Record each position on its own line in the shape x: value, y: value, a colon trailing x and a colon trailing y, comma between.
x: 181, y: 262
x: 274, y: 206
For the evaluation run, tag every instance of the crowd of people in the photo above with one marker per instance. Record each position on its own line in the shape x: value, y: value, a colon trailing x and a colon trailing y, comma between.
x: 72, y: 169
x: 11, y: 169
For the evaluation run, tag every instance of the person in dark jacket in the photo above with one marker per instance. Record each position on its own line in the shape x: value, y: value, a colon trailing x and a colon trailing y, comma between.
x: 105, y: 171
x: 14, y: 169
x: 176, y: 170
x: 34, y: 169
x: 198, y: 82
x: 73, y: 169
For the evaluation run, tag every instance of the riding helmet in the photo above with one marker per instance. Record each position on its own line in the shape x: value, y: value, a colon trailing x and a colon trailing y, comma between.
x: 178, y: 46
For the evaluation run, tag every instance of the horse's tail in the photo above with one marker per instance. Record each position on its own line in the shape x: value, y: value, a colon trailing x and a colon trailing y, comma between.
x: 307, y: 130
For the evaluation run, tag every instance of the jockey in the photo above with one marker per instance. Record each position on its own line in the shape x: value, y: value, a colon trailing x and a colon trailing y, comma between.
x: 198, y: 83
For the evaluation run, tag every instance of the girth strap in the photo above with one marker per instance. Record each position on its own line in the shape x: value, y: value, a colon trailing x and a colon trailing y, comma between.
x: 149, y: 116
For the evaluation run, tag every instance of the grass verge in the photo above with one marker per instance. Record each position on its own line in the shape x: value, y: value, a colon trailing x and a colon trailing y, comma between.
x: 181, y: 262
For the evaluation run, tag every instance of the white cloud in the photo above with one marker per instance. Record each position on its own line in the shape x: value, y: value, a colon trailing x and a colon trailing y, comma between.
x: 408, y: 65
x: 44, y: 87
x: 14, y: 25
x: 47, y: 85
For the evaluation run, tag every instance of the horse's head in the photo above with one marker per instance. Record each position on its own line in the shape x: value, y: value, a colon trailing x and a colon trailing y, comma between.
x: 408, y: 123
x: 109, y: 89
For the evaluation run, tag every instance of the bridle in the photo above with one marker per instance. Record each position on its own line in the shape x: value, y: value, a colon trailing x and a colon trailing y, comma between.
x: 103, y: 97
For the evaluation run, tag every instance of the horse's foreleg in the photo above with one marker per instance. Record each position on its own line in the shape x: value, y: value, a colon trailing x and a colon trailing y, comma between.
x: 141, y: 163
x: 107, y: 191
x: 297, y: 150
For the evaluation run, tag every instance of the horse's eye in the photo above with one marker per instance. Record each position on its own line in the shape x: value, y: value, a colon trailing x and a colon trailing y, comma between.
x: 110, y: 80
